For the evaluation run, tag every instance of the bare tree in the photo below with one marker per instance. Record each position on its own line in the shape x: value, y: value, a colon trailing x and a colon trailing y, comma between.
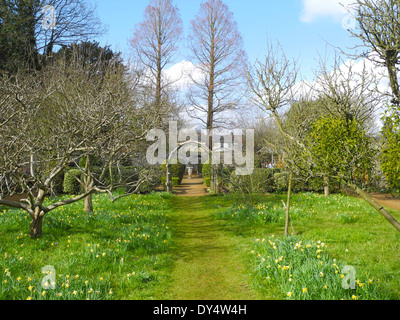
x: 155, y: 42
x: 378, y: 29
x: 272, y: 89
x: 74, y: 21
x: 272, y: 86
x: 32, y: 29
x: 217, y: 49
x: 54, y: 119
x: 349, y: 90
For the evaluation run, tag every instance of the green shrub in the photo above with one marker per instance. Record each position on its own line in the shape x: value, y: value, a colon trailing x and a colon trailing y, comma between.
x: 57, y: 185
x: 224, y: 175
x: 260, y: 181
x: 124, y: 174
x: 175, y: 182
x: 71, y: 185
x: 207, y: 182
x: 281, y: 181
x: 177, y: 171
x: 200, y: 168
x: 315, y: 184
x: 206, y: 170
x: 146, y: 187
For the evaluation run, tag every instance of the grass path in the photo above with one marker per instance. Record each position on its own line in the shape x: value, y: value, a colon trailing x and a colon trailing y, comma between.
x: 209, y: 263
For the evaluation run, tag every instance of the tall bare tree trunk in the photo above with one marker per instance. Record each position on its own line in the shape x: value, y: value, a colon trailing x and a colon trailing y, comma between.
x: 210, y: 112
x: 155, y: 42
x: 216, y: 45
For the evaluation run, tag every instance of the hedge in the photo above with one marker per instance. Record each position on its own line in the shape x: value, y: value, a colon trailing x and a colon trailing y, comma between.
x: 71, y: 185
x: 267, y: 181
x: 176, y: 170
x: 57, y: 184
x: 125, y: 175
x: 206, y: 170
x: 175, y: 182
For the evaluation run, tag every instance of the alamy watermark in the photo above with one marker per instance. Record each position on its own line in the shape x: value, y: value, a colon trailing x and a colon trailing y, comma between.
x: 349, y: 22
x: 49, y: 18
x: 191, y: 147
x: 49, y: 280
x: 349, y: 278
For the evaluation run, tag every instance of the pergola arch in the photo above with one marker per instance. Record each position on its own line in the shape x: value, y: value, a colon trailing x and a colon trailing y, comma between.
x: 203, y: 145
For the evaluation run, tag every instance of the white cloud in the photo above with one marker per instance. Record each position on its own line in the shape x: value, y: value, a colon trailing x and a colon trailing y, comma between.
x: 181, y: 74
x: 314, y: 9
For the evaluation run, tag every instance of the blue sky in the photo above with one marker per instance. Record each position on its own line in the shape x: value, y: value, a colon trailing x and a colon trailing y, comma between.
x: 303, y: 27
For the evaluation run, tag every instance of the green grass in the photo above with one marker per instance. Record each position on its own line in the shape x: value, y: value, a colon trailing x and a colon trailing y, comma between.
x: 304, y: 271
x: 120, y: 251
x: 209, y: 262
x: 216, y: 247
x: 354, y: 234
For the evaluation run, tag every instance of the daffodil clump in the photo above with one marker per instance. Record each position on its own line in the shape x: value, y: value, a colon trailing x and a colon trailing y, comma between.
x: 62, y: 287
x: 108, y: 254
x: 304, y: 271
x: 272, y: 212
x: 259, y: 214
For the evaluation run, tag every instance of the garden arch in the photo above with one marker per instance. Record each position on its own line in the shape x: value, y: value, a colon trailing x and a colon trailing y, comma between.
x: 203, y: 146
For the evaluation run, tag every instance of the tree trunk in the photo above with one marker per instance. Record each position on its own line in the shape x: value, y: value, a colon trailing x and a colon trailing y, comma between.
x: 376, y: 206
x: 37, y: 216
x: 88, y: 181
x: 394, y: 84
x: 287, y: 220
x: 88, y: 203
x: 36, y: 226
x: 326, y: 186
